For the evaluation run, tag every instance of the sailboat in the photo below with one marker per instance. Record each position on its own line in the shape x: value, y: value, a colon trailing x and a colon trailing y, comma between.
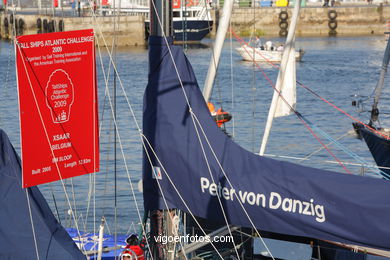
x: 191, y: 21
x: 376, y: 137
x: 204, y: 173
x: 189, y: 164
x: 265, y: 53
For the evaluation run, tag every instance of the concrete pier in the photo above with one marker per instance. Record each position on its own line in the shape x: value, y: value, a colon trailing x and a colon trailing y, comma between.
x: 314, y: 21
x: 130, y: 29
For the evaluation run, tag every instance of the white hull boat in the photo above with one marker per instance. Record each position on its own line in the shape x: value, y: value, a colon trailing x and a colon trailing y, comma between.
x: 257, y: 54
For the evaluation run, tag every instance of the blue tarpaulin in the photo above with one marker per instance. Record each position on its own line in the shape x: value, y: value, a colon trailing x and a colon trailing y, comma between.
x: 279, y: 197
x: 16, y: 232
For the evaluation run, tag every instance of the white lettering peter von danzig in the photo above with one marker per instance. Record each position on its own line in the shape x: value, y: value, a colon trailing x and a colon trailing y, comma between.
x: 275, y: 200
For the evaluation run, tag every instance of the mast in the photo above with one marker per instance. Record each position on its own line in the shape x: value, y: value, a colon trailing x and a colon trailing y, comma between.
x: 160, y: 25
x: 220, y: 38
x: 161, y: 11
x: 282, y: 72
x: 379, y: 85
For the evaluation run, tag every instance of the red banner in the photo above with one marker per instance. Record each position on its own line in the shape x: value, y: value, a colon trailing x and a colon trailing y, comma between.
x: 58, y: 105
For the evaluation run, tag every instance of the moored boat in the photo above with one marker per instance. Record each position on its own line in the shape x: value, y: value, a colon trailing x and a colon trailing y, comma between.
x: 191, y: 22
x: 259, y: 54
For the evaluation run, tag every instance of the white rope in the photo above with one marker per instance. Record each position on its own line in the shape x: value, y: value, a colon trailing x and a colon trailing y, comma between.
x: 212, y: 178
x: 132, y: 112
x: 107, y: 93
x: 92, y: 182
x: 125, y: 164
x: 177, y: 191
x: 181, y: 83
x: 227, y: 178
x: 162, y: 193
x: 190, y: 110
x: 135, y: 120
x: 100, y: 128
x: 106, y: 81
x: 232, y: 80
x: 119, y: 78
x: 95, y: 151
x: 32, y: 224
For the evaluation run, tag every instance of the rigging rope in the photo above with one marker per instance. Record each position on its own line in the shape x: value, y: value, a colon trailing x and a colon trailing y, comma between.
x: 146, y: 150
x: 232, y: 81
x: 194, y: 116
x: 242, y: 42
x: 32, y: 224
x: 292, y: 109
x: 254, y: 92
x: 303, y: 119
x: 342, y: 111
x: 117, y: 128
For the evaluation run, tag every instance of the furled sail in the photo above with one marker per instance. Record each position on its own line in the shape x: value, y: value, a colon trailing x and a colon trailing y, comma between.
x: 287, y: 83
x: 17, y: 239
x: 279, y: 197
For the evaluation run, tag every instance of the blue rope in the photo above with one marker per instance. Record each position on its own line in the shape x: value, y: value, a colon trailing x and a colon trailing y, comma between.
x: 342, y: 147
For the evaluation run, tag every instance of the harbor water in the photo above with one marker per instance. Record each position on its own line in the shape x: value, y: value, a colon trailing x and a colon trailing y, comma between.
x: 335, y: 68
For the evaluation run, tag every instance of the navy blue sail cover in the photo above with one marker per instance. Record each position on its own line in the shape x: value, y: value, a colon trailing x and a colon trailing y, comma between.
x: 279, y: 197
x: 16, y: 232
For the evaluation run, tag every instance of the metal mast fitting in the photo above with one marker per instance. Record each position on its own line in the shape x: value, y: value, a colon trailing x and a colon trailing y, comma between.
x: 161, y: 18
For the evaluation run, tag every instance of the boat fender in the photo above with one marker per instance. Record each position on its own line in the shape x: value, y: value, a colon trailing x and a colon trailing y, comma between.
x: 61, y: 26
x: 39, y: 23
x: 283, y: 25
x: 21, y: 23
x: 51, y: 26
x: 332, y: 14
x: 11, y: 19
x: 5, y: 22
x: 44, y: 25
x: 283, y: 32
x: 283, y: 15
x: 21, y: 26
x: 332, y: 25
x: 16, y: 23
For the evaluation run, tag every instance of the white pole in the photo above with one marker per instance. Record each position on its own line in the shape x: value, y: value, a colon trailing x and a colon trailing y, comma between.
x: 100, y: 243
x: 283, y: 65
x: 219, y: 39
